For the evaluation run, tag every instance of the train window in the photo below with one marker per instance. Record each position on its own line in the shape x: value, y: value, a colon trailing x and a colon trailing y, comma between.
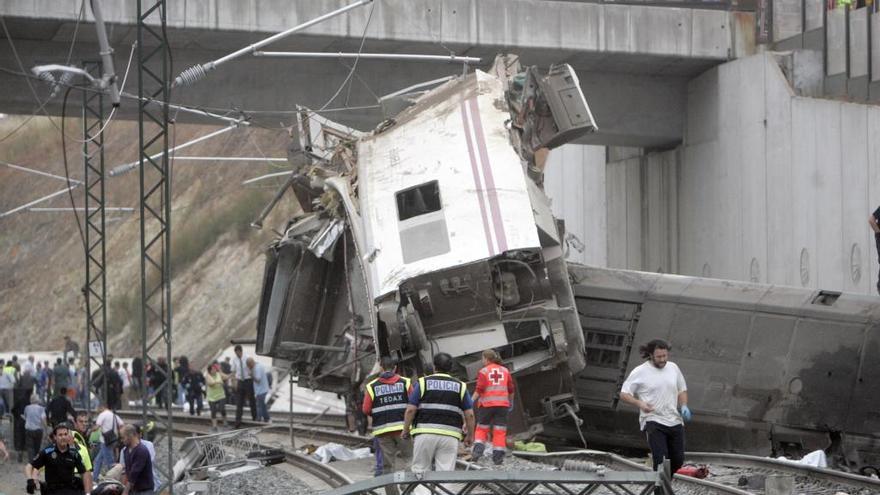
x: 603, y: 358
x: 418, y: 200
x: 604, y: 349
x: 522, y: 330
x: 826, y: 297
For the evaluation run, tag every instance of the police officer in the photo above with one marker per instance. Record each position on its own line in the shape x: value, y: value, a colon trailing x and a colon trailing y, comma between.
x: 439, y: 409
x: 385, y: 401
x: 61, y: 463
x: 494, y: 399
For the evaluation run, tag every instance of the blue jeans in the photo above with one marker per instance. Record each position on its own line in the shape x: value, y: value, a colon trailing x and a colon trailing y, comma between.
x: 181, y: 394
x: 262, y: 410
x: 103, y: 460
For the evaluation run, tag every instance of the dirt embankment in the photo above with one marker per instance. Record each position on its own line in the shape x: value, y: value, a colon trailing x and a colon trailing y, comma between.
x: 216, y: 257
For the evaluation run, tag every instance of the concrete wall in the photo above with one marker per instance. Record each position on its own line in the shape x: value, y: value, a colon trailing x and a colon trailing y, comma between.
x: 642, y: 212
x: 777, y: 188
x: 575, y: 182
x: 768, y: 187
x: 620, y: 203
x: 623, y: 190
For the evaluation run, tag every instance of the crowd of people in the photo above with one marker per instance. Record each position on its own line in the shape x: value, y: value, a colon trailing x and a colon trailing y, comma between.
x: 418, y: 423
x: 48, y: 422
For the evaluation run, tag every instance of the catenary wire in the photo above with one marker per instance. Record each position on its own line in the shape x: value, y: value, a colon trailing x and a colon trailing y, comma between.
x: 67, y: 171
x: 356, y: 60
x: 41, y: 105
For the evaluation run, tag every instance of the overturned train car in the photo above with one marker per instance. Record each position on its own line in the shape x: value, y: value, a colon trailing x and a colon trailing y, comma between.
x: 770, y: 369
x: 432, y: 234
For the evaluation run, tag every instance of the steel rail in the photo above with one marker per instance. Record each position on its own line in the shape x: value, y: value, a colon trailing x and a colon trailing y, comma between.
x: 313, y: 431
x: 615, y: 462
x: 788, y: 467
x: 328, y: 420
x: 327, y: 474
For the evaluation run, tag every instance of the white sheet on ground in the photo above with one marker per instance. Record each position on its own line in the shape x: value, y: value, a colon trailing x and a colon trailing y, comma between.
x: 335, y: 452
x: 815, y: 458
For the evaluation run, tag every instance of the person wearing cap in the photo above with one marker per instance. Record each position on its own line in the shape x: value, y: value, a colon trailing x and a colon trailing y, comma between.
x: 61, y: 463
x: 439, y: 416
x: 385, y: 402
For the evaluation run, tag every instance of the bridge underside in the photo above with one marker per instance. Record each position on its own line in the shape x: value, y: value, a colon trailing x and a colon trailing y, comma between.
x: 638, y: 97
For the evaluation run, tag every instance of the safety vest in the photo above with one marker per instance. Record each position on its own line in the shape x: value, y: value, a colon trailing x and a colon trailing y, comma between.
x: 389, y: 404
x: 440, y: 400
x: 83, y: 447
x: 493, y: 382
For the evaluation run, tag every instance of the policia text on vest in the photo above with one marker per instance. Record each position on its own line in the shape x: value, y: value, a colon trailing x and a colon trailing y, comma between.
x: 385, y: 402
x: 439, y: 416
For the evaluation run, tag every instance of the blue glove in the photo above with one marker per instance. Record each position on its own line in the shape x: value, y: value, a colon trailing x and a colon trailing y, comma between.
x: 686, y: 413
x: 510, y: 407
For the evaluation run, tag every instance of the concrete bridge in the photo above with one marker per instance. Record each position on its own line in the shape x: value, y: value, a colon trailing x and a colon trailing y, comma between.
x: 634, y: 62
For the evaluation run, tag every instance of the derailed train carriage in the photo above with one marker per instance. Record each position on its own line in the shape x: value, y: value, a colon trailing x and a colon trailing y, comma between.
x: 770, y: 369
x: 432, y: 233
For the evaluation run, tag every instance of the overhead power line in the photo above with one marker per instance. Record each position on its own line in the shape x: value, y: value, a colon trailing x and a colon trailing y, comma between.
x: 410, y: 57
x: 198, y: 72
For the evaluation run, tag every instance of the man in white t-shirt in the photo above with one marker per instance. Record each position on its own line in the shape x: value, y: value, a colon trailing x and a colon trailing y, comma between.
x: 658, y: 389
x: 108, y: 422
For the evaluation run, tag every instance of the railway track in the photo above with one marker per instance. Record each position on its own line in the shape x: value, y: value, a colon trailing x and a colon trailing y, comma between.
x: 595, y: 459
x: 329, y: 477
x: 325, y: 420
x: 302, y: 428
x: 809, y: 480
x: 726, y: 470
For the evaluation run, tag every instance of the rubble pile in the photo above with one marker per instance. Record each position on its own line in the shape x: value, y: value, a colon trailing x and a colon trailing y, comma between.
x: 513, y: 463
x: 268, y: 481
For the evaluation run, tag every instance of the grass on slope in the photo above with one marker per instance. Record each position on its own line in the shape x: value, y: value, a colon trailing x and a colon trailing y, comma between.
x: 190, y: 239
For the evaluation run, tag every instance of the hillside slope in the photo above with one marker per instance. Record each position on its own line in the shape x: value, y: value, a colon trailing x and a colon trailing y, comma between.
x: 216, y: 257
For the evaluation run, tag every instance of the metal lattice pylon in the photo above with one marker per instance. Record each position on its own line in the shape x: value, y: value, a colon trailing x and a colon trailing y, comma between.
x: 95, y: 290
x: 155, y: 210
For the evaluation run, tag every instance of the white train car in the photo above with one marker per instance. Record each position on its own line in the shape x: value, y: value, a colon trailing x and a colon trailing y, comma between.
x: 433, y: 234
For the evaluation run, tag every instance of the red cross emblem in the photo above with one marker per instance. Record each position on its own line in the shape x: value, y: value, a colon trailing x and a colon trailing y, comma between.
x: 496, y: 376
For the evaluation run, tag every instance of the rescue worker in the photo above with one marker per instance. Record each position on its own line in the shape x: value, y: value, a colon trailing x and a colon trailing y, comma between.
x: 385, y: 401
x: 658, y: 389
x: 61, y: 464
x: 439, y: 415
x: 78, y: 436
x: 493, y: 399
